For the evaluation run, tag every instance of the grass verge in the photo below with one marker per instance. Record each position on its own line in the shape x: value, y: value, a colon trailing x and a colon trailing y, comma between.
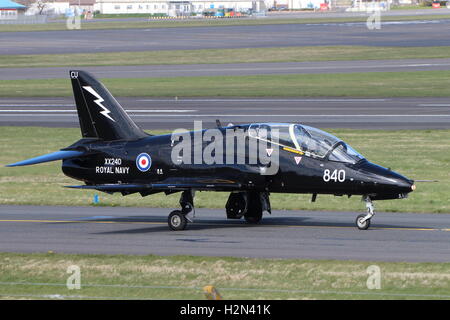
x: 209, y: 56
x: 44, y: 276
x: 142, y: 24
x: 373, y: 84
x: 410, y: 7
x: 420, y: 155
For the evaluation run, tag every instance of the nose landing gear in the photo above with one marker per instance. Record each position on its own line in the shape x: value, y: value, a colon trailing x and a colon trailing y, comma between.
x: 363, y: 220
x: 177, y: 220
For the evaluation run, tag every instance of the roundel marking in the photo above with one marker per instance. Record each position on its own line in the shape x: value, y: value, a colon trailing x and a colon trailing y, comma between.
x: 143, y: 162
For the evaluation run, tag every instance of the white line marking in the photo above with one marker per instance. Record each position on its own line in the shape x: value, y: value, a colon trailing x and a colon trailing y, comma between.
x: 433, y: 105
x: 263, y: 115
x: 264, y: 100
x: 37, y: 105
x: 307, y: 115
x: 74, y: 111
x: 162, y: 111
x: 262, y: 69
x: 32, y: 101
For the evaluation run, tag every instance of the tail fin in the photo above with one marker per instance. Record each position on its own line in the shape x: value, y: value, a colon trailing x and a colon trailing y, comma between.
x: 100, y: 115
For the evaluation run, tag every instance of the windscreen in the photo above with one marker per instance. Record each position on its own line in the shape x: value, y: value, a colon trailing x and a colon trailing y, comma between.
x: 344, y: 153
x: 318, y: 143
x: 313, y: 141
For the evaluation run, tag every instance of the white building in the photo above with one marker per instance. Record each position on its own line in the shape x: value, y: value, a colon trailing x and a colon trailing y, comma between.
x: 60, y: 6
x: 168, y: 6
x: 9, y: 9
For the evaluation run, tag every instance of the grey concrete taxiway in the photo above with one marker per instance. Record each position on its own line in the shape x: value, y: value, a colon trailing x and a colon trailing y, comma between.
x: 393, y: 33
x: 284, y: 234
x: 232, y: 69
x: 171, y: 113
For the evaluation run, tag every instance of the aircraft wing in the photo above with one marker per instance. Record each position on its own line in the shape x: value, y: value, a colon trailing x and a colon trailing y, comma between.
x: 216, y: 185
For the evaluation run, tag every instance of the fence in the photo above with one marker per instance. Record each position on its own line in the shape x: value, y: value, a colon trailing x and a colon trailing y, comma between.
x: 22, y: 19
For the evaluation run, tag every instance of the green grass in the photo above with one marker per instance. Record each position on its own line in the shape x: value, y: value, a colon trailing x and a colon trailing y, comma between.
x: 245, y: 55
x: 410, y: 7
x: 373, y: 84
x: 127, y: 24
x: 183, y: 277
x: 420, y: 155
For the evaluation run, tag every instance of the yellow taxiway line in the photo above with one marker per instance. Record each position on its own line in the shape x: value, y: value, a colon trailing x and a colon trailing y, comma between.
x: 222, y: 224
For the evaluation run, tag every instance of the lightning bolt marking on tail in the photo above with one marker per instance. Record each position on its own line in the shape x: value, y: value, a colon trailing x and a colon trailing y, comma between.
x: 99, y: 101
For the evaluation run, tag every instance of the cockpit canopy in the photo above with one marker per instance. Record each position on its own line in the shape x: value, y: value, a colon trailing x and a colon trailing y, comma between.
x: 311, y: 141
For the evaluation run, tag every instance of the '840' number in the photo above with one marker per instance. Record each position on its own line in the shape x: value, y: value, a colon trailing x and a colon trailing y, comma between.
x: 336, y: 175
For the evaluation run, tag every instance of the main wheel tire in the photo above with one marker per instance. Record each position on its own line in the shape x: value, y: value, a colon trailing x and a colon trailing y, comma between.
x: 236, y: 205
x: 177, y: 220
x: 254, y: 211
x: 232, y: 214
x: 360, y: 224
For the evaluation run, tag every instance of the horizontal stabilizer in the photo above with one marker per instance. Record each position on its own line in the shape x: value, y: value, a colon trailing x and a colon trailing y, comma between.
x: 58, y: 155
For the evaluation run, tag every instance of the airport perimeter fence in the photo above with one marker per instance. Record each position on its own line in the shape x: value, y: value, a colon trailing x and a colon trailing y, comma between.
x: 23, y: 19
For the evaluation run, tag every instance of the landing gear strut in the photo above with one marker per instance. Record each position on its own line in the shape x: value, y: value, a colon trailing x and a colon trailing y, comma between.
x: 363, y: 220
x: 178, y: 219
x: 248, y: 204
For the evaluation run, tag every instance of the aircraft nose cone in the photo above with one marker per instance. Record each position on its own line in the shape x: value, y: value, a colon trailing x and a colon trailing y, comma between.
x: 398, y: 181
x: 388, y: 181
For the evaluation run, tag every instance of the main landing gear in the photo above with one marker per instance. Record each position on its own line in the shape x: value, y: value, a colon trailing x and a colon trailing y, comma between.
x: 363, y: 220
x: 257, y: 203
x: 248, y: 204
x: 178, y: 219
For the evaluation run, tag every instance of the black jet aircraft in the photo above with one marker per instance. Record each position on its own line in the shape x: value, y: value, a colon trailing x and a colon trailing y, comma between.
x: 115, y: 155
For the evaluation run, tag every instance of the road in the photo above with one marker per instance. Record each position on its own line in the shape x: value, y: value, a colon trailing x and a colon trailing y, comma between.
x: 284, y: 234
x: 407, y: 33
x: 232, y: 69
x: 169, y: 113
x: 340, y: 14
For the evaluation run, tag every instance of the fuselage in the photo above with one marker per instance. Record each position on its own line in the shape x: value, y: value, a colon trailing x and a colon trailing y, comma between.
x: 247, y: 161
x: 297, y: 172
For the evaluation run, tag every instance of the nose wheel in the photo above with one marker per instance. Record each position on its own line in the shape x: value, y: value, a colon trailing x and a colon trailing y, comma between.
x: 177, y: 220
x: 363, y: 220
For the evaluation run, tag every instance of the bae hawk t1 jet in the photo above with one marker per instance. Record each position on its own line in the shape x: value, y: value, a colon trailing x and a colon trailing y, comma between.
x: 115, y: 155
